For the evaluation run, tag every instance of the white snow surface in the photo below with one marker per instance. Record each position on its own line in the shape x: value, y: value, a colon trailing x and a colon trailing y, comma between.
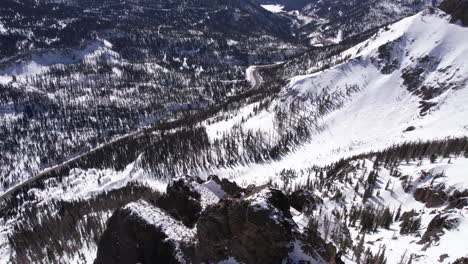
x: 84, y: 184
x: 450, y: 243
x: 3, y: 30
x: 41, y: 62
x: 375, y: 117
x: 155, y: 216
x: 176, y: 231
x: 273, y: 8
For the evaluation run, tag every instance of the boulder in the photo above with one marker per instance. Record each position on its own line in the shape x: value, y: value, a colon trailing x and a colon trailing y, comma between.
x: 436, y: 228
x: 458, y: 200
x: 181, y: 201
x: 431, y: 197
x: 304, y: 200
x: 141, y: 233
x: 406, y: 216
x: 230, y: 188
x: 462, y: 260
x: 458, y: 9
x: 256, y: 228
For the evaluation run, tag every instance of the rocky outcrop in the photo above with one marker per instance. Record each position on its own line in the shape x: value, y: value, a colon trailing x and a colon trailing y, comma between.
x: 212, y: 221
x: 406, y: 216
x: 304, y: 200
x: 257, y: 228
x: 436, y: 228
x: 141, y: 233
x: 230, y: 188
x: 430, y: 196
x: 181, y: 201
x: 458, y: 9
x: 458, y: 200
x: 463, y: 260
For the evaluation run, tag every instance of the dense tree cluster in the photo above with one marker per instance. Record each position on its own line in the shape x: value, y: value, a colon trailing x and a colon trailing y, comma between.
x: 52, y: 231
x: 102, y: 77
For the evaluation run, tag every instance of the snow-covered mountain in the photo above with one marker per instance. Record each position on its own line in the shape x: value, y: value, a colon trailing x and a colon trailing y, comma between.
x: 406, y: 83
x: 360, y: 159
x: 329, y: 21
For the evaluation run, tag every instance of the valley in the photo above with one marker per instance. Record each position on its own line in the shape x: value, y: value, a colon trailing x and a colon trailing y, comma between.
x: 225, y: 132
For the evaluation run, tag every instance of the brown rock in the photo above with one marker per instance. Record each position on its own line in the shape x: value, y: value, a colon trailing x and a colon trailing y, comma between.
x: 128, y: 239
x: 231, y: 188
x: 436, y: 228
x: 181, y: 201
x: 458, y: 9
x: 257, y: 228
x: 458, y: 200
x: 316, y: 244
x: 406, y: 216
x: 431, y: 197
x: 304, y: 200
x: 462, y: 260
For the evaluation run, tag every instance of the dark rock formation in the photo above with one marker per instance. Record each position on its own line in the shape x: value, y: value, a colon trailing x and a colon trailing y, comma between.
x: 252, y: 225
x: 407, y: 215
x: 231, y: 188
x: 304, y: 200
x: 462, y: 260
x: 257, y: 228
x: 458, y: 200
x: 128, y: 239
x: 431, y: 197
x: 386, y: 62
x: 436, y: 228
x: 181, y: 201
x: 458, y: 9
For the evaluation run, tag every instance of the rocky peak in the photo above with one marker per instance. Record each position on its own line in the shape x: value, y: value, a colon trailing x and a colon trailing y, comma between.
x: 251, y: 225
x: 142, y: 233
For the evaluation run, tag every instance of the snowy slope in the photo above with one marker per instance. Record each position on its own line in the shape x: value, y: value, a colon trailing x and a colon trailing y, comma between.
x: 378, y: 113
x: 394, y: 196
x: 41, y: 62
x: 375, y: 99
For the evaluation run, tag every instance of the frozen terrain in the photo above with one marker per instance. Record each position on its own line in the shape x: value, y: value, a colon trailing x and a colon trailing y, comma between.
x: 379, y: 113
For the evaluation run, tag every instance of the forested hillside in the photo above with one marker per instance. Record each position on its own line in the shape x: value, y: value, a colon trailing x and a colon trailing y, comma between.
x: 138, y: 131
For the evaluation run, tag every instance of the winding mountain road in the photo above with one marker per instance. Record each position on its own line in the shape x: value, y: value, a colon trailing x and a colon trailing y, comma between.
x: 252, y: 75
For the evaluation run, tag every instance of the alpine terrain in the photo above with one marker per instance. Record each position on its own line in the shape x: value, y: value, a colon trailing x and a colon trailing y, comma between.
x: 234, y: 131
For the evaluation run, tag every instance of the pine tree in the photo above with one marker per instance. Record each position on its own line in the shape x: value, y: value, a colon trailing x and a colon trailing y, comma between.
x: 359, y: 249
x: 397, y: 215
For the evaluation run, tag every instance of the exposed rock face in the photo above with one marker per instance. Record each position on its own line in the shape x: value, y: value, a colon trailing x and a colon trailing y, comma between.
x: 257, y: 228
x: 431, y: 197
x: 458, y: 200
x: 133, y: 236
x: 230, y: 188
x: 212, y: 221
x: 182, y: 202
x: 407, y: 215
x: 436, y: 228
x: 304, y: 200
x: 462, y: 260
x: 458, y: 9
x: 386, y: 62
